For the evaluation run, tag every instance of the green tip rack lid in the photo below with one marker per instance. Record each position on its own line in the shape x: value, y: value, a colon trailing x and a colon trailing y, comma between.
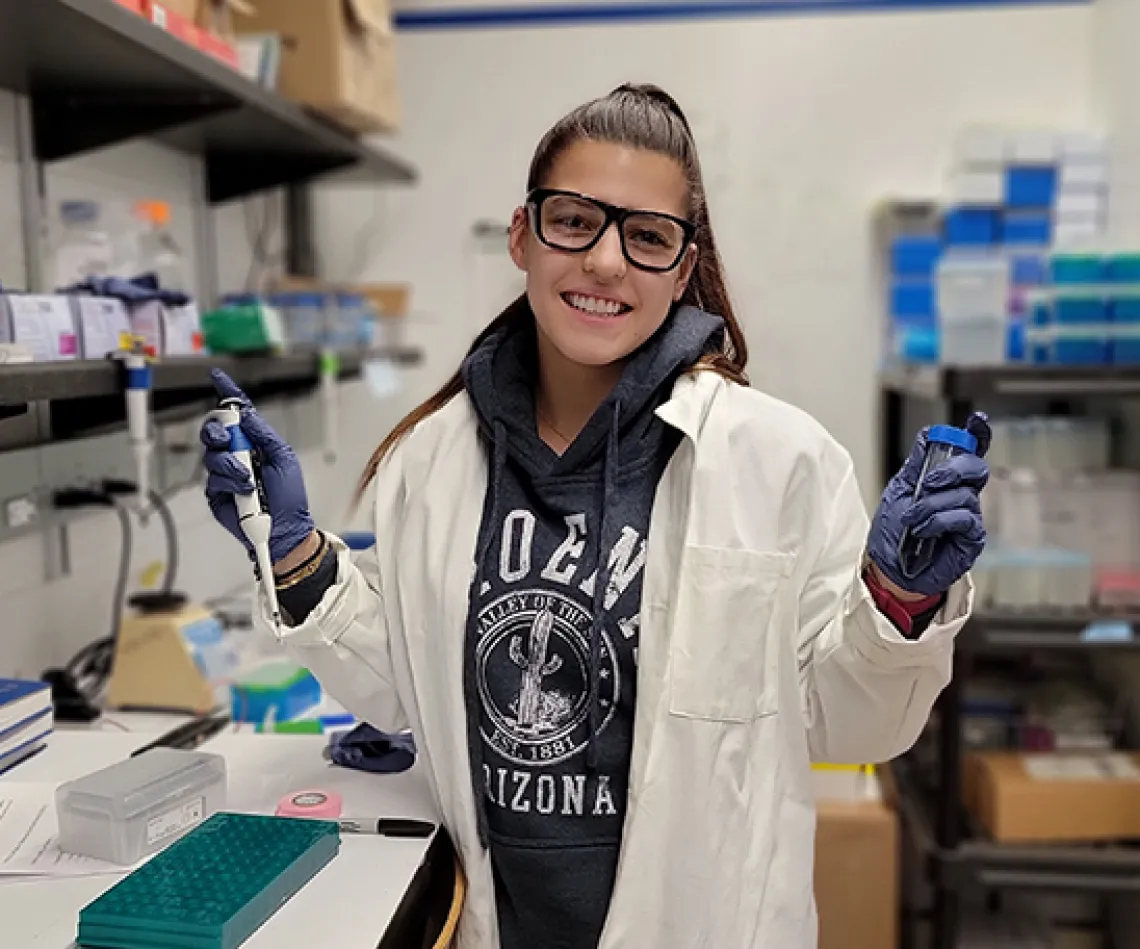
x: 214, y: 888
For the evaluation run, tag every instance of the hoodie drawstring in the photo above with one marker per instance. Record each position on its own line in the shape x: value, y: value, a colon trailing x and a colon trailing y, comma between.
x: 470, y: 681
x: 601, y: 587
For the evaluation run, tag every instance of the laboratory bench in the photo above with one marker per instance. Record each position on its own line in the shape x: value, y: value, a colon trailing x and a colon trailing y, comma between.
x: 377, y: 893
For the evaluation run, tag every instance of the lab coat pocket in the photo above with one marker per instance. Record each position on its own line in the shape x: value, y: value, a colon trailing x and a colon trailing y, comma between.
x: 724, y: 657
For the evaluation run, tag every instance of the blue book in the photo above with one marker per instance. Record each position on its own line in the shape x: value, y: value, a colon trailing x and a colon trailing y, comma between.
x: 21, y: 702
x: 28, y: 745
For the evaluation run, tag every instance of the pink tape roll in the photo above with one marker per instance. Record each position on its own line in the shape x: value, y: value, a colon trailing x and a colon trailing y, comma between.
x: 324, y: 805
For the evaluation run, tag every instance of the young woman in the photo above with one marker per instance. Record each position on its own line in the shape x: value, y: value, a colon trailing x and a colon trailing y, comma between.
x: 623, y: 600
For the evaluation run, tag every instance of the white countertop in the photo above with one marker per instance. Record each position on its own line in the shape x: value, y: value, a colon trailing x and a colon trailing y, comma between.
x: 349, y: 904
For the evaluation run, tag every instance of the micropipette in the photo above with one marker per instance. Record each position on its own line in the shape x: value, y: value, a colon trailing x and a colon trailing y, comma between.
x: 138, y: 423
x: 253, y: 509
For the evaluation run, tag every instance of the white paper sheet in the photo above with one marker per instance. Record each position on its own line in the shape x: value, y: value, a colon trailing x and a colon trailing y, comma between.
x: 29, y: 833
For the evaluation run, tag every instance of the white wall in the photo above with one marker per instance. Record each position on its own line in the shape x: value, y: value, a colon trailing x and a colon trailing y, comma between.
x: 804, y: 124
x: 1116, y: 24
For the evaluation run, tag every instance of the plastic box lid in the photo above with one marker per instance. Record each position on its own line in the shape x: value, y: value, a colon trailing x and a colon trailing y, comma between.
x: 132, y: 787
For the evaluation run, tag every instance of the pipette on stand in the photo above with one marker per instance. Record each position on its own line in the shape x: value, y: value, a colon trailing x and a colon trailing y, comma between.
x: 253, y: 510
x: 138, y: 424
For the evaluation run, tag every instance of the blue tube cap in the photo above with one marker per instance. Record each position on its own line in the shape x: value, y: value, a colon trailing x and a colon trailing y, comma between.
x: 957, y: 437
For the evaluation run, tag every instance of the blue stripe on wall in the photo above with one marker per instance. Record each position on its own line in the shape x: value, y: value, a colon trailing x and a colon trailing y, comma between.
x: 554, y: 14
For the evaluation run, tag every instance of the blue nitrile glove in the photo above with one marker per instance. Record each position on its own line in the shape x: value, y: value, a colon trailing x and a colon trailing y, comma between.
x: 280, y: 474
x: 949, y: 510
x: 134, y: 292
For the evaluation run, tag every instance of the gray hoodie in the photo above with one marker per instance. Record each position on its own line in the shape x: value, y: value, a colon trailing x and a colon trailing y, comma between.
x: 551, y: 664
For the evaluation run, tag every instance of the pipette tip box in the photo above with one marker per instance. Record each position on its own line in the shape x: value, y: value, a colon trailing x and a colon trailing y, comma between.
x: 141, y: 805
x: 214, y: 888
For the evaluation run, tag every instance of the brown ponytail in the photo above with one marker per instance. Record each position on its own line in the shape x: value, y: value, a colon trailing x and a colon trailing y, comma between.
x: 639, y: 116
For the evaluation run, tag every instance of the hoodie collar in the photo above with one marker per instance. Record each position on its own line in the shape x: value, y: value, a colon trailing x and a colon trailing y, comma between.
x: 501, y: 374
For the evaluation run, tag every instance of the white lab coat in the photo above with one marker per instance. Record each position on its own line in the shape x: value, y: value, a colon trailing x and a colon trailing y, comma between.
x: 760, y: 652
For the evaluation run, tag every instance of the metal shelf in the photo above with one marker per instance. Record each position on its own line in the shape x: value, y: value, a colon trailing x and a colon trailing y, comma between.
x: 97, y: 74
x: 86, y: 397
x: 978, y: 862
x: 1009, y: 630
x: 937, y: 382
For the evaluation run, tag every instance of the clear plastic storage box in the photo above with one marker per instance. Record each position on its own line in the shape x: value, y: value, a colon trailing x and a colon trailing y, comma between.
x: 139, y: 806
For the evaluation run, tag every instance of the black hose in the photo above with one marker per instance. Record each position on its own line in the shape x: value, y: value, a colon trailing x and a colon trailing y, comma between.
x: 171, y: 530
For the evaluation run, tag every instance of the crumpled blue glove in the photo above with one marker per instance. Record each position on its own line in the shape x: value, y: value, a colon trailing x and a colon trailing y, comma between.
x: 948, y: 512
x: 280, y: 475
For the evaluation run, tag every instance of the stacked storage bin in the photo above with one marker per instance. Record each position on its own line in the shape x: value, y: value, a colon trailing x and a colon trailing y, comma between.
x: 1063, y: 525
x: 914, y: 321
x: 1090, y: 314
x: 963, y: 297
x: 1122, y: 272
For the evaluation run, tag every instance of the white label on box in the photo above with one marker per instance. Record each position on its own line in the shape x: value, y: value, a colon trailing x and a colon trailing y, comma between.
x: 45, y: 326
x: 183, y: 330
x: 1081, y: 767
x: 102, y: 324
x: 146, y: 323
x: 175, y: 821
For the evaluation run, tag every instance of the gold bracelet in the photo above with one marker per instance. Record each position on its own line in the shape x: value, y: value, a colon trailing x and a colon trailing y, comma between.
x: 305, y: 572
x: 322, y: 543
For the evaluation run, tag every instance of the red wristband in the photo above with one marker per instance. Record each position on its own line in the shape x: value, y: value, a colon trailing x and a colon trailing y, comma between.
x: 900, y: 612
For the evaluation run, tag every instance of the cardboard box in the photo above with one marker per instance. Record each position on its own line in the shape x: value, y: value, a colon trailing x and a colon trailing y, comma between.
x: 1055, y: 798
x: 856, y: 873
x: 186, y: 9
x: 390, y: 299
x: 338, y: 57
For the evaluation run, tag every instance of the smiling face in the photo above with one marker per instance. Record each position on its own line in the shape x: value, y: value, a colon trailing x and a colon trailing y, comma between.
x: 594, y: 308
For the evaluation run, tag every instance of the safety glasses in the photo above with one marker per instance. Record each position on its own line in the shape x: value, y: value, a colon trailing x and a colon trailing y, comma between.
x: 568, y: 221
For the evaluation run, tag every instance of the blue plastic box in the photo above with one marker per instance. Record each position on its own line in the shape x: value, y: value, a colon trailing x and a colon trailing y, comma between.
x: 1015, y: 341
x: 915, y: 256
x: 1126, y: 352
x: 1125, y: 308
x: 915, y: 340
x: 1041, y: 311
x: 1091, y: 350
x: 1030, y: 186
x: 1029, y: 270
x: 1077, y: 268
x: 971, y: 227
x: 1026, y: 229
x: 1122, y: 268
x: 1080, y: 309
x: 910, y: 298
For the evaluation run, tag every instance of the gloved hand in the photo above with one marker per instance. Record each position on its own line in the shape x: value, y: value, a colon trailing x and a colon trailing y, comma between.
x: 280, y: 474
x: 948, y: 512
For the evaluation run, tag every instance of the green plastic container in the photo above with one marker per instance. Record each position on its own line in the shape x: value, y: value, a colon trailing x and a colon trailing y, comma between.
x: 214, y: 888
x: 247, y: 327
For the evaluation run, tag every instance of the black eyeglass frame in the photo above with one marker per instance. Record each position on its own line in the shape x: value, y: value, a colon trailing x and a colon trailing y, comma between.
x: 536, y: 198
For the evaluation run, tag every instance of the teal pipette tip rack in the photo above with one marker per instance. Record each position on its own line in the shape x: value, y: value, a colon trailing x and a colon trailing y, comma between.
x: 212, y: 889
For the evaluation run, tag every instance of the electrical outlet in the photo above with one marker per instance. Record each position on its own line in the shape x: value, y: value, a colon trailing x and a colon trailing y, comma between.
x: 21, y: 513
